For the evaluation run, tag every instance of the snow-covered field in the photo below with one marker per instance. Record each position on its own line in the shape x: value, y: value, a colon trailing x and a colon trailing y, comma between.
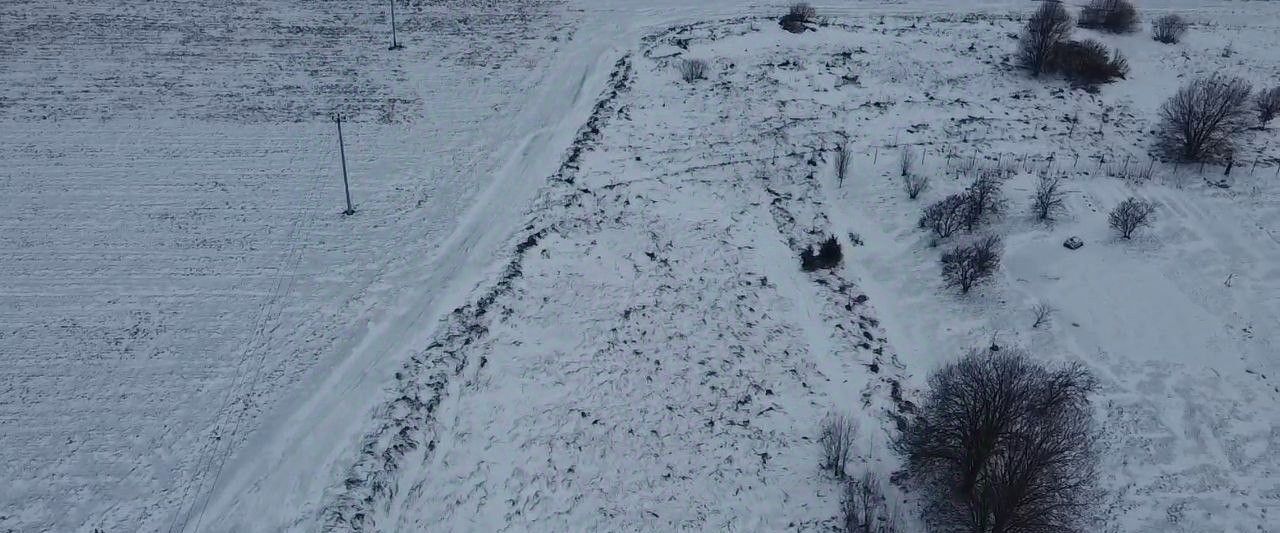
x: 569, y: 298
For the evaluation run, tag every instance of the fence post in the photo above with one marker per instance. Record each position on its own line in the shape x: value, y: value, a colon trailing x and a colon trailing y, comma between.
x: 342, y: 152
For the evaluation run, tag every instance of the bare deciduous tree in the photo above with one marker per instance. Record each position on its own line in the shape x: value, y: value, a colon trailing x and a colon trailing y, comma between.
x: 1115, y: 16
x: 1267, y: 102
x: 946, y: 216
x: 1168, y: 29
x: 1130, y: 215
x: 803, y: 11
x: 914, y: 184
x: 1043, y: 313
x: 970, y: 264
x: 836, y: 437
x: 1202, y: 120
x: 865, y: 507
x: 1004, y: 444
x: 1049, y: 198
x: 692, y: 70
x: 984, y: 199
x: 1047, y: 27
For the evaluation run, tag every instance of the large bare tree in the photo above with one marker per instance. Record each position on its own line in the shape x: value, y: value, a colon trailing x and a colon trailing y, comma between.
x: 1049, y: 26
x: 1202, y: 120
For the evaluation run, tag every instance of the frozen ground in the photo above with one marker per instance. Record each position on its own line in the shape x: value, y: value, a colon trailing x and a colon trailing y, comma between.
x: 511, y: 335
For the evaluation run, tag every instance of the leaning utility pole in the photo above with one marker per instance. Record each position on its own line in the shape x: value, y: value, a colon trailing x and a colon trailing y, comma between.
x: 342, y: 152
x: 394, y: 44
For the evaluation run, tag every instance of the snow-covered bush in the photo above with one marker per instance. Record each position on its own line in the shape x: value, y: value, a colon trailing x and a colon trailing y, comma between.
x: 914, y: 184
x: 1049, y: 198
x: 828, y: 256
x: 1202, y: 120
x: 865, y: 508
x: 692, y: 70
x: 1004, y: 443
x: 836, y: 437
x: 1267, y: 102
x: 1088, y: 61
x: 945, y: 217
x: 1168, y: 29
x: 1131, y: 215
x: 1047, y: 27
x: 1115, y: 16
x: 970, y: 264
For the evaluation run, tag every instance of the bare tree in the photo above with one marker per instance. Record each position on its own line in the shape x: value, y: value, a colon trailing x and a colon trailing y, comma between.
x: 970, y: 264
x: 1004, y: 444
x: 692, y: 70
x: 1202, y: 120
x: 1043, y: 313
x: 1049, y: 198
x: 1267, y: 102
x: 914, y: 184
x: 836, y: 437
x: 1168, y: 29
x: 1130, y: 215
x: 865, y: 507
x: 906, y: 160
x: 1115, y: 16
x: 1047, y: 27
x: 984, y: 199
x: 946, y: 216
x: 803, y: 11
x: 842, y: 163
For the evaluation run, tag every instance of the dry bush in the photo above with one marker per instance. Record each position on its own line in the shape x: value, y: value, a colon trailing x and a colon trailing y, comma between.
x: 906, y: 160
x: 1043, y: 313
x: 1115, y: 16
x: 836, y: 437
x: 970, y: 264
x: 1267, y: 103
x: 1047, y: 27
x: 866, y: 509
x: 1131, y: 215
x: 692, y: 70
x: 1049, y: 199
x: 803, y: 12
x: 1202, y: 120
x: 842, y: 163
x: 914, y: 184
x: 984, y: 199
x: 827, y: 256
x: 1168, y: 29
x: 1003, y: 443
x: 945, y: 217
x: 1089, y: 61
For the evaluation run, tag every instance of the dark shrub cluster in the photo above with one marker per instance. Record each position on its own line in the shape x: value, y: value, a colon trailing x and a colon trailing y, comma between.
x: 970, y: 264
x: 1168, y: 29
x: 1088, y: 61
x: 827, y: 256
x: 1004, y: 444
x: 798, y: 18
x: 1115, y: 16
x: 1202, y: 120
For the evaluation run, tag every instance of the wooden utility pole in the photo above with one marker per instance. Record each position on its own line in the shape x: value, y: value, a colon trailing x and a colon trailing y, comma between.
x: 342, y: 152
x: 395, y: 45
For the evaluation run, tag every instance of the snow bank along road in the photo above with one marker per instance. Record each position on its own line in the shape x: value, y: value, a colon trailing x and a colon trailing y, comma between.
x: 507, y: 333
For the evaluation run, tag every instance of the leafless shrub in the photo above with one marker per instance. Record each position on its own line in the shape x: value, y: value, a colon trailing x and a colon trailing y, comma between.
x: 906, y: 160
x: 1047, y: 27
x: 827, y: 256
x: 842, y: 163
x: 836, y: 437
x: 1115, y: 16
x: 692, y: 70
x: 970, y: 264
x: 1131, y: 215
x: 945, y: 217
x: 984, y: 199
x: 1202, y: 120
x: 803, y: 11
x: 1003, y: 443
x: 914, y: 184
x: 1088, y: 61
x: 865, y: 507
x: 1043, y: 313
x: 1049, y: 198
x: 1267, y: 102
x: 1168, y: 29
